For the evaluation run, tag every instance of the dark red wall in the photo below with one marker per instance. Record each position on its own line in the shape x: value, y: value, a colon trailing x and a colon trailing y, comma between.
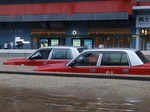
x: 69, y: 7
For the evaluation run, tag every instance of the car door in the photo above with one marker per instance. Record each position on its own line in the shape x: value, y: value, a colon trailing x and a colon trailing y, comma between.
x: 85, y: 63
x: 39, y: 58
x: 115, y: 63
x: 60, y: 55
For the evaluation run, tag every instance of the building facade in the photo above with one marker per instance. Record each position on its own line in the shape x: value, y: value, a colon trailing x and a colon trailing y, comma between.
x: 103, y: 23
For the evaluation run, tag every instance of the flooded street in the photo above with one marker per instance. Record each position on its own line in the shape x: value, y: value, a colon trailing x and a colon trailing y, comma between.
x: 20, y: 93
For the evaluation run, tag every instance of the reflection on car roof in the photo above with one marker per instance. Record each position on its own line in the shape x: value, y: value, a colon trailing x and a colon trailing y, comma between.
x: 112, y: 49
x: 57, y: 47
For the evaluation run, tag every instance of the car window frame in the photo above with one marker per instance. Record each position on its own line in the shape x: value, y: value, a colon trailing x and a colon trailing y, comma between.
x: 121, y: 52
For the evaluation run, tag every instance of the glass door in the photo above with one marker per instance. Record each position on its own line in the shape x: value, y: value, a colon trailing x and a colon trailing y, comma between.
x: 54, y: 42
x: 88, y: 43
x: 76, y: 42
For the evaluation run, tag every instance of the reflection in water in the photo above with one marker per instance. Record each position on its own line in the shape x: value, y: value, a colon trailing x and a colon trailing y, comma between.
x: 132, y: 100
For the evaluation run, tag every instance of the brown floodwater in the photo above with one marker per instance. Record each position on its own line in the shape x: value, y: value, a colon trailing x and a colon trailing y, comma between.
x: 28, y: 100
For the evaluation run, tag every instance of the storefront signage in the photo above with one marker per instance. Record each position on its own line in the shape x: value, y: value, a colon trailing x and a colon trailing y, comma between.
x: 143, y: 21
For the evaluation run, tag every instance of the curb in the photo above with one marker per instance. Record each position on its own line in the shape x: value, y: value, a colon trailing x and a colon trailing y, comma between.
x: 83, y: 75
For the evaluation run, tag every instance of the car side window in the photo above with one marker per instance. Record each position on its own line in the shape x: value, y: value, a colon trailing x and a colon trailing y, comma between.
x: 45, y: 53
x: 124, y: 60
x: 114, y: 59
x: 61, y: 54
x: 42, y: 54
x: 88, y: 59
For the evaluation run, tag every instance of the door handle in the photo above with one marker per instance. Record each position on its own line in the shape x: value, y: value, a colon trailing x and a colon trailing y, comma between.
x: 125, y: 70
x: 92, y: 70
x: 44, y: 63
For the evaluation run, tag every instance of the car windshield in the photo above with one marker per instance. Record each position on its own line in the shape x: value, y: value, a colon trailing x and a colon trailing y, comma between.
x: 142, y: 56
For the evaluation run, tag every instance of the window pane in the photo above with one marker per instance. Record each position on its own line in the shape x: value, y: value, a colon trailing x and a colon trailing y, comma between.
x: 114, y: 59
x: 142, y: 56
x: 124, y: 60
x: 88, y: 59
x: 45, y: 54
x: 105, y: 59
x: 54, y: 42
x: 62, y: 54
x: 76, y: 42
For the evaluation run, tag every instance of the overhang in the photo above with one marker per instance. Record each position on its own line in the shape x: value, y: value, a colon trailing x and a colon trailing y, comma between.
x: 65, y: 17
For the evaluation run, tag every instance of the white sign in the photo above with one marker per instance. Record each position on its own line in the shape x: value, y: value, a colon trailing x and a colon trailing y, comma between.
x: 18, y: 39
x: 143, y: 21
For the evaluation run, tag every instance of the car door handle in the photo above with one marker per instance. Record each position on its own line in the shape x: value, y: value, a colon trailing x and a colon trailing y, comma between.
x: 44, y: 63
x: 92, y: 70
x: 125, y: 70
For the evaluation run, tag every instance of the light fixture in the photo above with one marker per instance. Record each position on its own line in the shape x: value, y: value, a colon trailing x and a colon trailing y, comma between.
x: 74, y: 32
x: 144, y: 31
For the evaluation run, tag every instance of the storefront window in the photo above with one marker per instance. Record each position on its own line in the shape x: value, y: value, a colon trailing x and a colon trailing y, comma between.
x: 43, y: 42
x: 54, y: 42
x: 145, y: 38
x: 88, y: 43
x: 76, y: 42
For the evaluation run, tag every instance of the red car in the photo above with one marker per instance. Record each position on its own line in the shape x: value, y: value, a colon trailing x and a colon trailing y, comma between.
x: 46, y: 55
x: 105, y: 61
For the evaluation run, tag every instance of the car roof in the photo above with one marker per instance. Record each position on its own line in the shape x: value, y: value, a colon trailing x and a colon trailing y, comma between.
x: 113, y: 49
x: 61, y: 47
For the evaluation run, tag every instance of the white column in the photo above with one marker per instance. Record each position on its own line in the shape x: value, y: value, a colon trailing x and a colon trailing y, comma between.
x: 138, y: 39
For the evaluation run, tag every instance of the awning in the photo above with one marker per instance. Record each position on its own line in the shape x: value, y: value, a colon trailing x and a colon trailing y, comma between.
x: 65, y: 17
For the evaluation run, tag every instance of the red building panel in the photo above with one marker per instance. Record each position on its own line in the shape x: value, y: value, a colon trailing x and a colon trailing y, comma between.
x: 70, y: 7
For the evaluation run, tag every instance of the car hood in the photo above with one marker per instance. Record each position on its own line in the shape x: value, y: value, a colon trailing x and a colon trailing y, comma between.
x: 51, y: 68
x: 11, y: 61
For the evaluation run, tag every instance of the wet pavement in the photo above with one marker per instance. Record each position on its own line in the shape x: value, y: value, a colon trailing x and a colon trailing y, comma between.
x: 24, y: 93
x: 19, y: 93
